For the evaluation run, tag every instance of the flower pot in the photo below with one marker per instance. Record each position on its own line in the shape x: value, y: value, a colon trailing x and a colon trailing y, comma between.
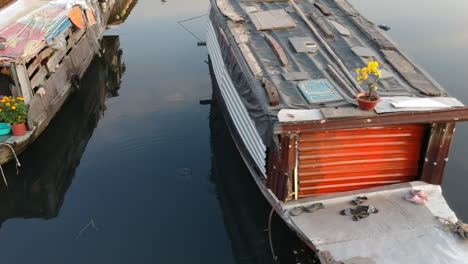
x: 367, y: 105
x: 19, y: 129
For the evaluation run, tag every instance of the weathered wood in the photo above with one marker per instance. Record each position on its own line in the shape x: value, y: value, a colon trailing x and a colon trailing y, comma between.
x: 341, y: 29
x: 303, y: 44
x: 342, y: 112
x: 76, y: 36
x: 406, y: 118
x: 277, y: 49
x: 238, y: 32
x: 412, y: 75
x: 295, y: 76
x: 39, y: 78
x: 38, y: 60
x: 251, y: 60
x: 322, y: 25
x: 227, y: 10
x: 365, y: 25
x: 272, y: 92
x: 323, y: 8
x: 272, y: 19
x: 436, y: 157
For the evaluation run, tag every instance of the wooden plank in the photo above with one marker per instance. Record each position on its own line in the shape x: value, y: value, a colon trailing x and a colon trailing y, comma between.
x: 323, y: 8
x: 342, y: 112
x: 341, y: 29
x: 76, y: 36
x: 412, y: 75
x: 38, y: 59
x: 272, y: 92
x: 365, y: 25
x: 272, y: 19
x: 322, y: 25
x: 277, y: 49
x: 39, y: 78
x: 239, y: 32
x: 437, y: 153
x: 407, y: 118
x: 227, y: 10
x: 251, y: 60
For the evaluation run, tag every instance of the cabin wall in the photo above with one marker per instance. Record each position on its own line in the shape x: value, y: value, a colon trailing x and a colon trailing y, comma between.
x: 313, y: 163
x: 352, y: 159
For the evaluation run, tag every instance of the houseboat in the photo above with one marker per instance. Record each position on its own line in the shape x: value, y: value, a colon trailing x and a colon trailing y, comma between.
x: 356, y: 186
x: 40, y: 188
x: 46, y: 47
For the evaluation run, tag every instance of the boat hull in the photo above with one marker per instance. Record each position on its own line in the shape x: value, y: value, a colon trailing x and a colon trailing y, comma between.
x: 64, y: 80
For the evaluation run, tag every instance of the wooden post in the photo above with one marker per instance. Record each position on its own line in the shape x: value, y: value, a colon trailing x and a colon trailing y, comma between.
x: 438, y: 148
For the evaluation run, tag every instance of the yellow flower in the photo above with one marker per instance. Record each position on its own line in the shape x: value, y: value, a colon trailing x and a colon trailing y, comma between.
x: 20, y: 98
x: 376, y: 87
x: 19, y: 117
x: 373, y: 66
x: 13, y: 108
x: 7, y: 104
x: 2, y: 101
x: 1, y: 110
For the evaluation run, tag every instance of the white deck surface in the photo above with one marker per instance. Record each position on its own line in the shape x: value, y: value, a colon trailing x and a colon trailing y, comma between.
x: 402, y: 232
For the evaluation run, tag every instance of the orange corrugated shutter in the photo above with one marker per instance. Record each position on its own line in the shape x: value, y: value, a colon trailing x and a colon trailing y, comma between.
x: 351, y: 159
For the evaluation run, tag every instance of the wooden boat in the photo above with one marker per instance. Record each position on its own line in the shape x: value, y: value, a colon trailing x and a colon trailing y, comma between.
x: 286, y: 85
x: 48, y: 59
x: 40, y: 188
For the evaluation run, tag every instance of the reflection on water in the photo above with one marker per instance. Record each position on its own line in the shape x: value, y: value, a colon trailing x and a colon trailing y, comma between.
x: 49, y: 165
x: 245, y: 210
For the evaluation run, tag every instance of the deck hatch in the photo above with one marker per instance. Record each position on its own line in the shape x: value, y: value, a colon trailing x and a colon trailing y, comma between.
x: 351, y: 159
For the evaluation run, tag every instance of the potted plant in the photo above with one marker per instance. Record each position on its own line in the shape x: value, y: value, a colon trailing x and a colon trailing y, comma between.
x: 14, y: 111
x: 370, y: 76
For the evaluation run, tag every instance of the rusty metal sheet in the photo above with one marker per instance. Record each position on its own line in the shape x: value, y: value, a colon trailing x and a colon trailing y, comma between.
x: 350, y: 159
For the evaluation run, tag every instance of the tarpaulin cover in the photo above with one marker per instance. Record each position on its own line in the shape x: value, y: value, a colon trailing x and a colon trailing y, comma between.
x: 243, y: 79
x: 25, y: 24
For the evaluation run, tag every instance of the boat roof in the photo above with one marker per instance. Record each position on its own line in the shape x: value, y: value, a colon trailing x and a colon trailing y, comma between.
x: 27, y: 24
x: 308, y: 76
x: 401, y: 230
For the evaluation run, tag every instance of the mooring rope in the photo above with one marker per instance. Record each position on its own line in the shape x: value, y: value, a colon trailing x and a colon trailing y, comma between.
x: 458, y: 227
x: 18, y: 164
x: 275, y: 257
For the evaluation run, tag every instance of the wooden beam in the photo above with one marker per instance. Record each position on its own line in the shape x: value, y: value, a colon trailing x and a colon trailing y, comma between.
x: 322, y: 25
x: 277, y: 49
x: 436, y: 156
x: 365, y: 26
x: 402, y: 118
x: 272, y: 92
x: 323, y: 8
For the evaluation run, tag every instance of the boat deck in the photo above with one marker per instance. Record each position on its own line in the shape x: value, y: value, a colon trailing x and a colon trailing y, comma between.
x: 307, y: 62
x: 401, y: 230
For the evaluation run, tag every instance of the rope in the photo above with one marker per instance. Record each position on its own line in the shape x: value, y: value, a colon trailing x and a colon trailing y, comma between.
x: 188, y: 30
x: 275, y: 257
x: 458, y: 227
x: 18, y: 164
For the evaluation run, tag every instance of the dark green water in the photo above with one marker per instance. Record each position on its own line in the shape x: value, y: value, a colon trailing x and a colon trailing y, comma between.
x: 156, y: 172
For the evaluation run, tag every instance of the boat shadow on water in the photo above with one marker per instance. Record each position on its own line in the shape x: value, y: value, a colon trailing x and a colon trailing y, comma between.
x: 49, y: 165
x: 245, y: 210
